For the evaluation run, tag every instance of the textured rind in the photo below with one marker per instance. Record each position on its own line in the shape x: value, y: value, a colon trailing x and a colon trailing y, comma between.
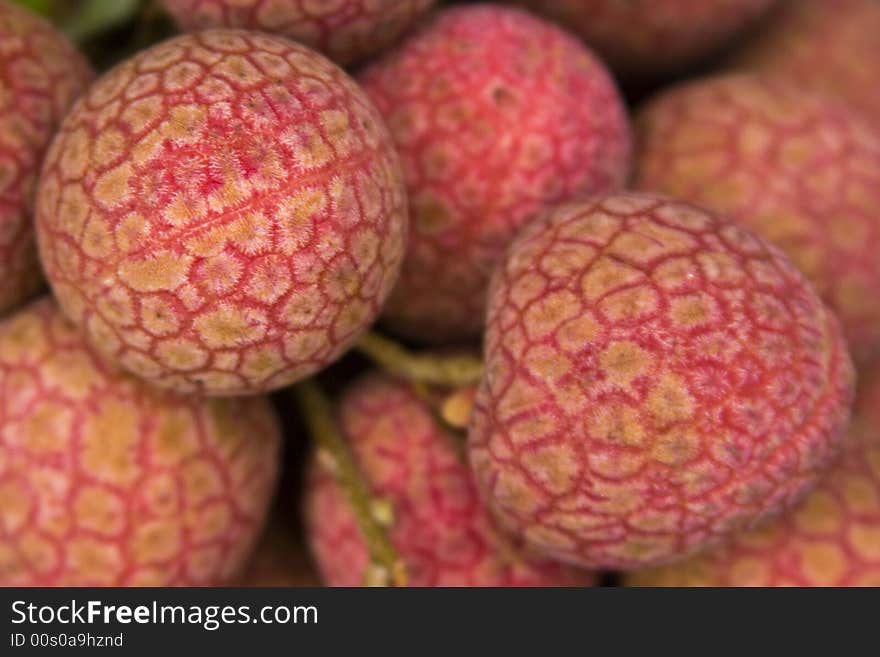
x: 797, y: 168
x: 41, y: 74
x: 832, y: 539
x: 829, y: 45
x: 279, y: 559
x: 497, y: 115
x: 656, y: 379
x: 347, y: 31
x: 223, y: 214
x: 105, y: 481
x: 643, y: 38
x: 440, y: 529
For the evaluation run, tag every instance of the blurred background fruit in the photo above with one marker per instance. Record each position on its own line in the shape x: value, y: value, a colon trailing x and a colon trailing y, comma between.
x: 41, y: 74
x: 107, y: 481
x: 798, y: 168
x: 347, y: 31
x: 644, y: 38
x: 497, y: 115
x: 415, y: 470
x: 827, y: 45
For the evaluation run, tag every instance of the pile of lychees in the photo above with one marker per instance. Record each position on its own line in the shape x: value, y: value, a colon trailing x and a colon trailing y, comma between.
x: 541, y: 291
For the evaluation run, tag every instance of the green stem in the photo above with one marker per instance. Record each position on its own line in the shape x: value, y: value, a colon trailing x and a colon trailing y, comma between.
x: 386, y: 567
x: 452, y: 371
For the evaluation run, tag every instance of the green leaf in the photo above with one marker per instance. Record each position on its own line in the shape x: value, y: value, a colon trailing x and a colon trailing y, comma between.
x: 42, y: 7
x: 95, y: 16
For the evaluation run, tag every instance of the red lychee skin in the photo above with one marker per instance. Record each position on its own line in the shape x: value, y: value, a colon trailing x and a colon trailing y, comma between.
x: 41, y: 74
x: 347, y: 31
x: 105, y: 481
x: 440, y: 529
x: 279, y: 560
x: 828, y: 45
x: 799, y: 169
x: 497, y: 115
x: 223, y: 214
x: 656, y: 378
x: 832, y: 539
x: 641, y: 38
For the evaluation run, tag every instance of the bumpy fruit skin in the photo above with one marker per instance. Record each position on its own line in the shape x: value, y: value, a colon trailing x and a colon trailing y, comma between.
x: 222, y: 214
x: 440, y: 529
x: 828, y: 45
x: 347, y: 31
x: 107, y: 481
x: 497, y: 115
x: 656, y: 378
x: 641, y: 38
x: 279, y: 560
x: 41, y: 74
x: 832, y: 539
x: 798, y: 169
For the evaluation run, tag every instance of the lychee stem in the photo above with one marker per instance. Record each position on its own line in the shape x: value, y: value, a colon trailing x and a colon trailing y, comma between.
x: 456, y: 408
x: 386, y: 567
x: 455, y: 371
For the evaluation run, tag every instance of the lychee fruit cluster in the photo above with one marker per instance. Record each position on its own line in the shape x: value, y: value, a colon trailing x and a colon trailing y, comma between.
x: 657, y: 378
x: 105, y: 480
x: 222, y: 213
x: 832, y: 539
x: 827, y: 45
x: 439, y: 527
x: 667, y: 314
x: 496, y: 115
x: 797, y: 168
x: 347, y: 31
x: 41, y: 74
x: 643, y: 38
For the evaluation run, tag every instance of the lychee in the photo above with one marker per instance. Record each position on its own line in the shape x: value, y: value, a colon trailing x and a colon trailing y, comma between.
x: 279, y: 560
x: 437, y: 524
x: 347, y: 31
x: 223, y: 213
x: 41, y: 74
x: 657, y: 378
x: 832, y: 539
x: 829, y: 45
x: 799, y: 169
x: 497, y: 115
x: 641, y: 38
x: 107, y: 481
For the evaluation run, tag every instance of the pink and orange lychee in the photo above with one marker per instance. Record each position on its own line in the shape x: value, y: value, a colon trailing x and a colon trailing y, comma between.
x: 41, y: 74
x: 832, y: 539
x: 656, y: 379
x: 107, y: 481
x: 410, y: 462
x: 797, y: 168
x: 641, y: 38
x: 347, y: 31
x: 827, y: 45
x: 497, y: 115
x: 223, y: 213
